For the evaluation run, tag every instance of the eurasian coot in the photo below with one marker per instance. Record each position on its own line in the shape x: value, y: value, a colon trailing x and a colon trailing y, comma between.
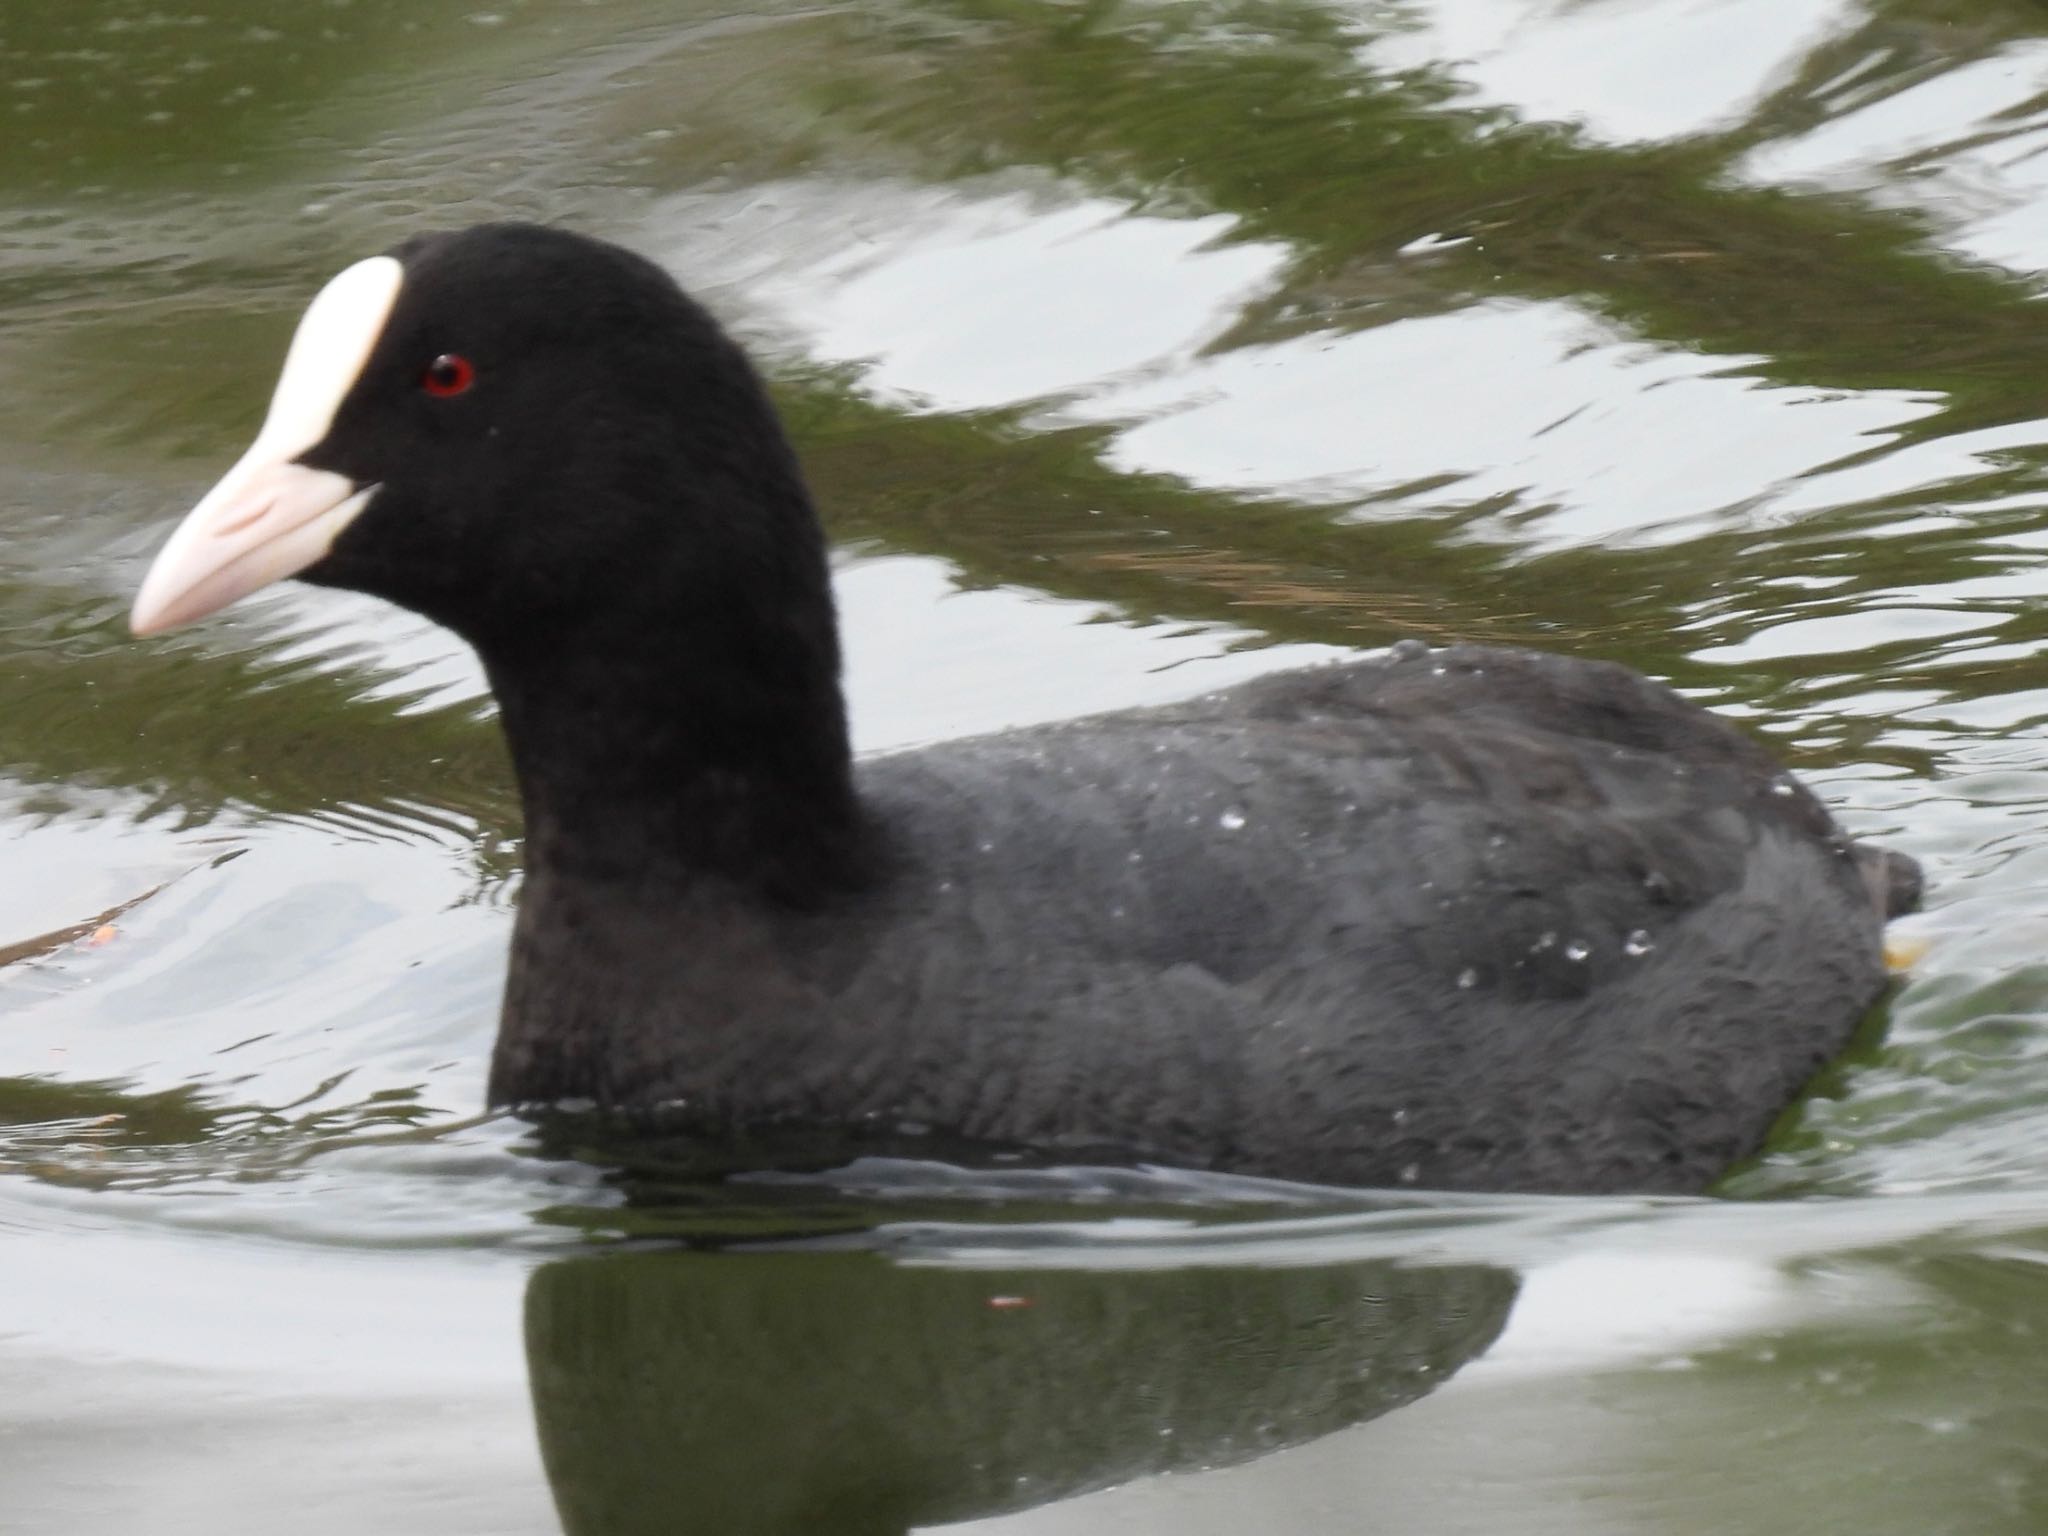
x: 1455, y: 918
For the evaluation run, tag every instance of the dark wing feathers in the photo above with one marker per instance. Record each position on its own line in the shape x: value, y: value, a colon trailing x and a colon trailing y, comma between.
x: 1465, y: 918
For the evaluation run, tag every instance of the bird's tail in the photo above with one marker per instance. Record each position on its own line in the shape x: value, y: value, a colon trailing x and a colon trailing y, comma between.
x: 1893, y: 879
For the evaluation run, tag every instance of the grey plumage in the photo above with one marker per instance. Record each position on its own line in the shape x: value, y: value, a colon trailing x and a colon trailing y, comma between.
x: 1463, y: 918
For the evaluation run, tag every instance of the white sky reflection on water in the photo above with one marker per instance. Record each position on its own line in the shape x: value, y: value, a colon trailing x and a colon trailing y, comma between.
x: 1925, y: 466
x: 1031, y: 306
x: 1537, y: 402
x: 966, y: 300
x: 975, y: 672
x: 1954, y: 147
x: 1858, y: 631
x: 1624, y: 70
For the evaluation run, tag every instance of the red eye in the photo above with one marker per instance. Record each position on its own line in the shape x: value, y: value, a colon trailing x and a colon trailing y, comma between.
x: 448, y: 375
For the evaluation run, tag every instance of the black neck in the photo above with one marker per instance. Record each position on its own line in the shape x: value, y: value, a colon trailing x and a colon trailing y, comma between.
x: 689, y: 740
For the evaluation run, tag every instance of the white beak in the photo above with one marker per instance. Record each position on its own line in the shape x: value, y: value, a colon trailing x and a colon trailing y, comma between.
x: 269, y: 516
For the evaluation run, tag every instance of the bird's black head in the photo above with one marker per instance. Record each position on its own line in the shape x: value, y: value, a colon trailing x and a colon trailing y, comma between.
x: 538, y: 440
x: 516, y: 431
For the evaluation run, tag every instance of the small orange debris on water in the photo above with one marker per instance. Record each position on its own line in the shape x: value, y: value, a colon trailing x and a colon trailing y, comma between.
x: 1903, y: 951
x: 1008, y: 1303
x: 106, y: 933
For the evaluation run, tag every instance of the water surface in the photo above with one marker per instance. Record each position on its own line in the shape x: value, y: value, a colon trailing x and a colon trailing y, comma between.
x: 1132, y: 349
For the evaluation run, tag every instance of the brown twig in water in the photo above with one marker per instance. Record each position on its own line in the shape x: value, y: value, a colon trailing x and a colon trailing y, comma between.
x: 1252, y: 583
x: 49, y: 943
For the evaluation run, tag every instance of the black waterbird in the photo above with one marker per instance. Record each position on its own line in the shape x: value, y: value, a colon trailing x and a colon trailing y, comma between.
x: 1455, y: 918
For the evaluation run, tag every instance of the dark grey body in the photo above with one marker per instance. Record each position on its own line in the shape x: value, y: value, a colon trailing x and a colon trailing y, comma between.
x: 1462, y: 918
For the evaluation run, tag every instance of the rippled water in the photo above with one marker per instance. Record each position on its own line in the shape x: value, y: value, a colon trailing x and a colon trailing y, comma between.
x: 1132, y: 349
